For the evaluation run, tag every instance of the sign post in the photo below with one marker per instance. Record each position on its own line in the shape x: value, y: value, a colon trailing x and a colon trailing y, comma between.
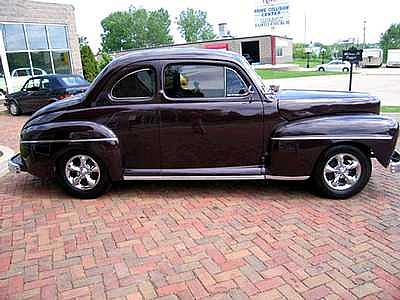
x: 353, y: 56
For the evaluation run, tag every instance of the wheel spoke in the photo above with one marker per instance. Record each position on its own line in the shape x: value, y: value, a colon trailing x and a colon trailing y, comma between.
x: 91, y: 182
x: 340, y: 159
x: 350, y: 179
x: 353, y: 165
x: 330, y: 169
x: 72, y: 167
x: 335, y: 181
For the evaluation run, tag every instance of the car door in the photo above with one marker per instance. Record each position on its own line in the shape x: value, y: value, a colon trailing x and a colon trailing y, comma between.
x: 43, y: 96
x: 27, y: 95
x: 133, y: 116
x: 210, y: 121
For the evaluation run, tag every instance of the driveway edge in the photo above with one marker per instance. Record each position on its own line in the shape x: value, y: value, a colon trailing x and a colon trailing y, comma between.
x: 7, y: 154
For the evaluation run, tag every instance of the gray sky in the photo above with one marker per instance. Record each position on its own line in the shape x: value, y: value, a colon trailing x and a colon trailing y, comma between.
x: 328, y: 21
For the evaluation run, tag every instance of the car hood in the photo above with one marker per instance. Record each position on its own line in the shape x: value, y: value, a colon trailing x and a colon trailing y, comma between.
x: 65, y: 104
x: 298, y: 104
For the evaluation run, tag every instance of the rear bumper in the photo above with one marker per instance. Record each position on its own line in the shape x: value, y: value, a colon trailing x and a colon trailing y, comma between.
x: 394, y: 164
x: 16, y: 164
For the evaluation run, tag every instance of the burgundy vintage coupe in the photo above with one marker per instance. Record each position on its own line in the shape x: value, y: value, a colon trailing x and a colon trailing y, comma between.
x: 192, y: 114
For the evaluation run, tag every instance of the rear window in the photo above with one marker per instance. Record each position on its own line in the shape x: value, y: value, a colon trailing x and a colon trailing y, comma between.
x: 71, y: 81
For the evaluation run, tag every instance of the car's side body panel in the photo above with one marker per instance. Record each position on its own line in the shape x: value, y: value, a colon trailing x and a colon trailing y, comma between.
x: 297, y: 145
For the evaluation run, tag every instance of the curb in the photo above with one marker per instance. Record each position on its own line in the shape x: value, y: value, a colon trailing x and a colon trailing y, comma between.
x: 7, y: 154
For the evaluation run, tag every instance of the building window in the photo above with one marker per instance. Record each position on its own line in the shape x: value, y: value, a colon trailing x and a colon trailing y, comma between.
x: 37, y: 37
x: 14, y: 37
x: 35, y: 49
x: 58, y: 37
x: 279, y: 51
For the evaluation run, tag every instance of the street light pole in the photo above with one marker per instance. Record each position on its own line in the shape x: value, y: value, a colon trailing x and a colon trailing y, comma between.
x: 364, y: 30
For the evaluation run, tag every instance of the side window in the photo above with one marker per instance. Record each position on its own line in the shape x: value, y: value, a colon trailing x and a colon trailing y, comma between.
x: 194, y: 81
x: 139, y: 84
x: 235, y: 85
x: 33, y: 85
x: 45, y: 84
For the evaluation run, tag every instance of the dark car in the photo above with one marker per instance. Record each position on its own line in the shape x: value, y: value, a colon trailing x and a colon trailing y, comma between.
x: 40, y: 91
x: 195, y: 114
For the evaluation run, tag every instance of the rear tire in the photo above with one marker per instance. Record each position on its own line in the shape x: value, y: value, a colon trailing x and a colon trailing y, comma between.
x: 342, y: 172
x: 345, y: 70
x: 83, y: 175
x: 321, y: 69
x: 13, y: 109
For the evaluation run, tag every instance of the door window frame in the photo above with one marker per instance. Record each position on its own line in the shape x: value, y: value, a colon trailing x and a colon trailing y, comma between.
x: 134, y: 99
x: 248, y: 82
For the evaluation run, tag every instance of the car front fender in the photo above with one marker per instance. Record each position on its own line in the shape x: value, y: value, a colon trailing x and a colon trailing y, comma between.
x: 42, y: 145
x: 297, y: 145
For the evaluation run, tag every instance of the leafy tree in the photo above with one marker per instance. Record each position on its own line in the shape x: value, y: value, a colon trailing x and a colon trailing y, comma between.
x: 136, y: 28
x: 390, y: 39
x: 105, y: 59
x: 89, y: 63
x: 193, y: 26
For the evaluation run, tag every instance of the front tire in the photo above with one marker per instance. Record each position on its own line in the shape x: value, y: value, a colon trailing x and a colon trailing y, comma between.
x: 345, y: 70
x: 342, y: 172
x: 83, y: 175
x: 13, y: 109
x: 321, y: 69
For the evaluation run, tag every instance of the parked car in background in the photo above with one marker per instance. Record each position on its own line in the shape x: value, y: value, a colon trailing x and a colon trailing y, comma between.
x: 334, y: 66
x: 39, y: 91
x: 21, y: 75
x: 372, y: 58
x: 197, y: 114
x: 393, y: 59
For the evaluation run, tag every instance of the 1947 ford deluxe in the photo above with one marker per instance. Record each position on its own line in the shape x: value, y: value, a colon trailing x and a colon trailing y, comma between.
x: 198, y: 114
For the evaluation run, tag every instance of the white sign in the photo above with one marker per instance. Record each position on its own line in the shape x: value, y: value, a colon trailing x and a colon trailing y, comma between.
x: 272, y: 13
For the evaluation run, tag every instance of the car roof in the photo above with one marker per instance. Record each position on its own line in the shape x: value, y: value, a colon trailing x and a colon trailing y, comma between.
x: 177, y: 53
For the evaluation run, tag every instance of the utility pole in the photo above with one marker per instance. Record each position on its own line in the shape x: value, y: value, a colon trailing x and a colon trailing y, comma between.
x: 305, y: 28
x: 364, y: 29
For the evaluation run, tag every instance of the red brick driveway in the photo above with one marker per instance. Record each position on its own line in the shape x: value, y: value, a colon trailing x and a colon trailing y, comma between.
x: 188, y: 240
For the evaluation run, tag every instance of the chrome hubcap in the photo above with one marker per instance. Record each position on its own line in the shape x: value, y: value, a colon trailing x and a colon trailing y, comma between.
x: 342, y: 171
x: 13, y: 109
x: 82, y: 172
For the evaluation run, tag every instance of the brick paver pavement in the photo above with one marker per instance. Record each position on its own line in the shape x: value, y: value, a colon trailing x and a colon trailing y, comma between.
x: 186, y: 240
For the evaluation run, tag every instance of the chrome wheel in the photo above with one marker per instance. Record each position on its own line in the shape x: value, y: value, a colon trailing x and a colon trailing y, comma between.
x: 82, y: 172
x: 342, y: 171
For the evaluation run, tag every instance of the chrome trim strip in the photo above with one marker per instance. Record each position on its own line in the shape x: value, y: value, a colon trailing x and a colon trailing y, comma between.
x: 287, y: 178
x: 195, y: 177
x: 71, y: 141
x: 333, y: 137
x: 213, y: 177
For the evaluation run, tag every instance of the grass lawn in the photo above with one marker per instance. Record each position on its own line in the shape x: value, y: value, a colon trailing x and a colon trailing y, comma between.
x: 277, y: 74
x: 390, y: 109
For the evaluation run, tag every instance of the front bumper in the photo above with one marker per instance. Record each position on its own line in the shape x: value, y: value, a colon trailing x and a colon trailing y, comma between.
x: 394, y: 164
x: 16, y: 164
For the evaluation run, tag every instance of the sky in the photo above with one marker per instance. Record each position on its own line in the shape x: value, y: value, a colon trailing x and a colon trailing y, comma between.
x: 327, y: 21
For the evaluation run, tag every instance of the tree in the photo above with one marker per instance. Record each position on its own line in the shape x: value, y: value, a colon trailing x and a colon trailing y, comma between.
x: 105, y: 59
x: 136, y: 28
x: 89, y: 63
x: 193, y: 26
x: 390, y: 39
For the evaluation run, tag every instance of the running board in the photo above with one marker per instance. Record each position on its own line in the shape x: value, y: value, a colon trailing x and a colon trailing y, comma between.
x: 214, y: 177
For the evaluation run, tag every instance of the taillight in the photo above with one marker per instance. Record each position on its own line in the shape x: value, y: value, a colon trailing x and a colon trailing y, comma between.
x: 61, y: 97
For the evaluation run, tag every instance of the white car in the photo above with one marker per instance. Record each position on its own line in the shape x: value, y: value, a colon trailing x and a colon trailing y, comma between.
x: 21, y: 75
x: 334, y: 66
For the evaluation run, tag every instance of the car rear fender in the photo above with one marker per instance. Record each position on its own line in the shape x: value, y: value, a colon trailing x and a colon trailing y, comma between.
x: 42, y: 146
x: 297, y: 145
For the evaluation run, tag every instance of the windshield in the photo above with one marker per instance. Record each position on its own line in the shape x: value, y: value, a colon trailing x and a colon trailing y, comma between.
x: 71, y: 81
